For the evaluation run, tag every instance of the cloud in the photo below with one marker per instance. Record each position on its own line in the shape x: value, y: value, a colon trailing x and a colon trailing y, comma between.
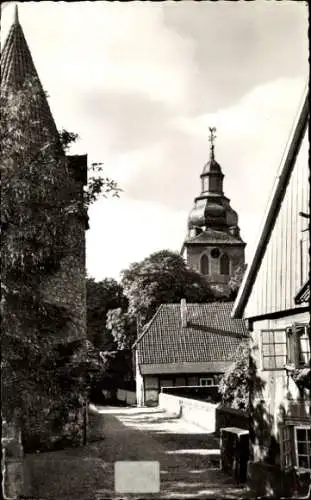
x: 141, y: 82
x: 129, y: 120
x: 251, y: 137
x: 239, y: 45
x: 124, y: 231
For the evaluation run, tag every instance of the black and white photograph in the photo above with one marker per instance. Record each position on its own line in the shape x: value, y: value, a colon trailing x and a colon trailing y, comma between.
x: 155, y: 250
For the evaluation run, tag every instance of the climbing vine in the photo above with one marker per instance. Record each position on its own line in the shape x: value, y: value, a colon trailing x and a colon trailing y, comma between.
x: 39, y: 200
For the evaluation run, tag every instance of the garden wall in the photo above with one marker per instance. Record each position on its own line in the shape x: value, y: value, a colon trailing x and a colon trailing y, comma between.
x: 199, y: 413
x: 198, y: 392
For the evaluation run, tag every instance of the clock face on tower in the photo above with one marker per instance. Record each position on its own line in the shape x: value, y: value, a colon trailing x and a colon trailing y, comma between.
x: 215, y: 253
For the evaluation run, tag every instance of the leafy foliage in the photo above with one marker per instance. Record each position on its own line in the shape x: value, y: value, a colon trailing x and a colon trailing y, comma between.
x: 163, y: 277
x: 39, y: 200
x: 236, y: 280
x: 123, y: 328
x: 110, y: 329
x: 101, y: 296
x: 99, y: 186
x: 236, y: 383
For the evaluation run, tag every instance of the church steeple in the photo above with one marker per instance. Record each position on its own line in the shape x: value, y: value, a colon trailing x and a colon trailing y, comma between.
x: 213, y: 245
x: 212, y: 176
x: 17, y: 69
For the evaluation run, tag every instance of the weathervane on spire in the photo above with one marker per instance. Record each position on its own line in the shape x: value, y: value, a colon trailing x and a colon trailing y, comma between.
x: 16, y: 21
x: 211, y: 139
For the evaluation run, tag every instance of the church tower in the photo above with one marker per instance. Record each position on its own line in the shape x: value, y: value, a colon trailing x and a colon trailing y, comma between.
x: 213, y: 245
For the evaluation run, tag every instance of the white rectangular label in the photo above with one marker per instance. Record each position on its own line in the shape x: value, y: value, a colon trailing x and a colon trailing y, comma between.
x: 137, y: 477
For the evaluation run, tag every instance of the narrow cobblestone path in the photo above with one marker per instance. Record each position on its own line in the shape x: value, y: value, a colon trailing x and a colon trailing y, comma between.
x: 188, y: 457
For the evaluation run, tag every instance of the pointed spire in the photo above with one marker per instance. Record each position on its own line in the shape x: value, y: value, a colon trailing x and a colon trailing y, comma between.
x: 211, y: 139
x: 17, y: 67
x: 16, y: 20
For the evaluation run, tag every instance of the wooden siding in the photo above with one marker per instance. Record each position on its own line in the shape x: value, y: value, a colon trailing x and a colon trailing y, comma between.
x: 285, y: 264
x: 279, y: 391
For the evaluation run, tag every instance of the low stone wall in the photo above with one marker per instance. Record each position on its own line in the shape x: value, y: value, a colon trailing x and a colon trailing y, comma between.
x: 172, y: 404
x: 199, y: 413
x: 229, y: 417
x: 128, y: 397
x: 198, y: 392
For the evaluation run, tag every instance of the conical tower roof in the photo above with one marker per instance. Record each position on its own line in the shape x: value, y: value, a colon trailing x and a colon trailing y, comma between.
x: 17, y: 68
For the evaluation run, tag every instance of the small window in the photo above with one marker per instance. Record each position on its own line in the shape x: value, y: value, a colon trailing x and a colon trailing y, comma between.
x: 224, y: 264
x: 180, y: 381
x: 207, y: 381
x: 298, y: 345
x: 296, y: 447
x: 303, y: 343
x: 303, y: 447
x: 166, y: 383
x: 205, y: 184
x: 274, y: 349
x: 204, y: 264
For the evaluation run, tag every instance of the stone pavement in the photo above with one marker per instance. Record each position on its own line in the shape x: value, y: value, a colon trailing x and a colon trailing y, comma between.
x: 188, y: 457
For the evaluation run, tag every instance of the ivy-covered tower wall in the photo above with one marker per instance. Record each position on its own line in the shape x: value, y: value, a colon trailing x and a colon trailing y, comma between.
x: 44, y: 305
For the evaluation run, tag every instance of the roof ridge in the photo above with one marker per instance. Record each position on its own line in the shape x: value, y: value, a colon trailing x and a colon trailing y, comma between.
x: 200, y: 303
x: 147, y: 325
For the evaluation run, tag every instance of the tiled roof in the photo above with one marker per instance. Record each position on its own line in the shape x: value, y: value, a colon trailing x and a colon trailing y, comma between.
x: 16, y: 68
x: 214, y: 236
x: 210, y: 335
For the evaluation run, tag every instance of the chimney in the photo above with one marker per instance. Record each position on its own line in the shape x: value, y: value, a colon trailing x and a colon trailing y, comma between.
x: 183, y: 312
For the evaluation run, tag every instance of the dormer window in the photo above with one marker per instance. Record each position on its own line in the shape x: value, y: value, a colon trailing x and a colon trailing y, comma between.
x: 224, y: 265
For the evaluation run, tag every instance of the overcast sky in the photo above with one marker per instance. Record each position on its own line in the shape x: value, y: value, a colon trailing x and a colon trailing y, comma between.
x: 141, y: 82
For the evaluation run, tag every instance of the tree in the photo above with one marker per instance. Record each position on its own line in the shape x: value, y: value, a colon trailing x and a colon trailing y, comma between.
x: 235, y: 385
x: 236, y: 280
x: 112, y: 332
x: 123, y: 328
x: 101, y: 296
x: 163, y: 277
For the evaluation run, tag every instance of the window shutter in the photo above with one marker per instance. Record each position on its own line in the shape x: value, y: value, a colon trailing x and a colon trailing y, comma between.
x: 281, y: 441
x: 303, y: 345
x: 291, y: 345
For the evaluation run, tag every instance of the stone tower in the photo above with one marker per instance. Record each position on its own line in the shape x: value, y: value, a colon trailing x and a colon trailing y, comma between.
x: 213, y: 245
x: 65, y: 287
